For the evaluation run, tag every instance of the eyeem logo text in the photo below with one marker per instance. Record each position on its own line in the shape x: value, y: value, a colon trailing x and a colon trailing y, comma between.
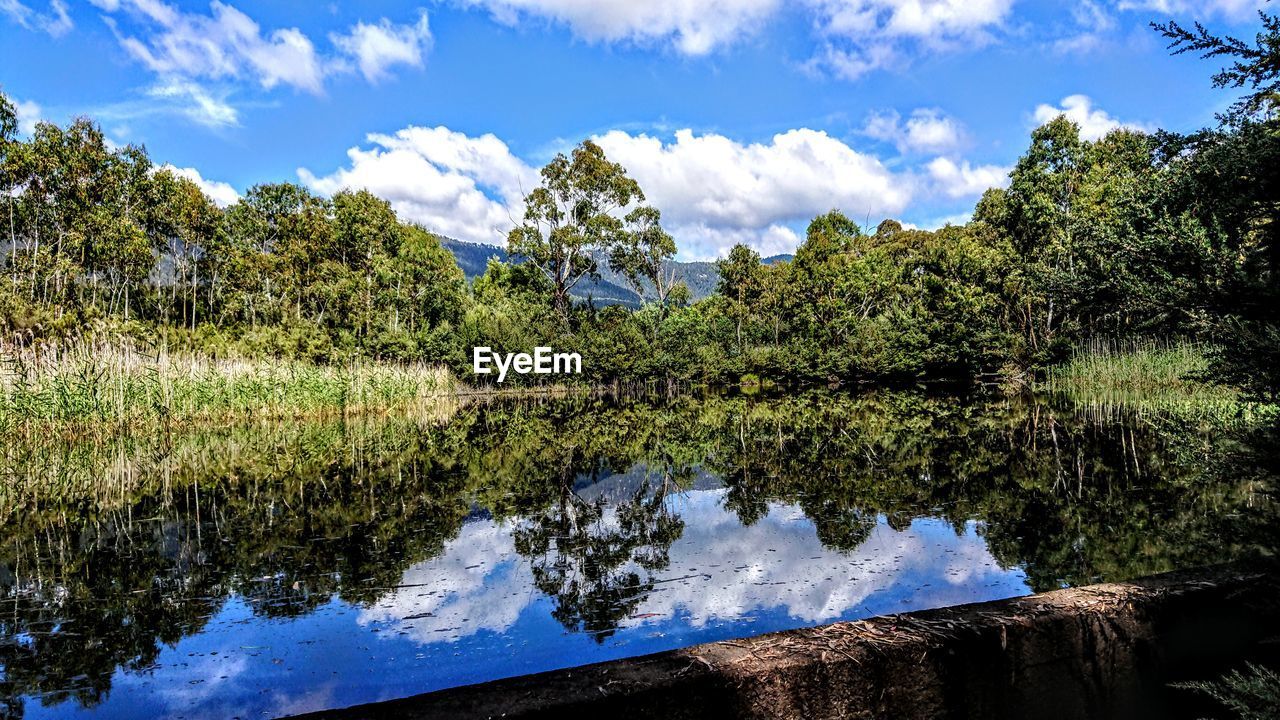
x: 543, y: 361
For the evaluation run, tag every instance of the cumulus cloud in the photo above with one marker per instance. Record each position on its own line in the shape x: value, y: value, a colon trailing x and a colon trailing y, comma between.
x: 867, y: 35
x: 222, y: 194
x: 700, y: 241
x: 715, y: 191
x: 478, y: 583
x: 958, y: 180
x: 1094, y: 122
x: 464, y: 187
x: 379, y: 47
x: 926, y: 131
x: 692, y: 27
x: 55, y: 20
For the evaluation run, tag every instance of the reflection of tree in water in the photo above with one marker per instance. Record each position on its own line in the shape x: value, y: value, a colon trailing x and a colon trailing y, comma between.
x: 838, y: 525
x: 62, y: 635
x: 1070, y: 497
x: 88, y: 591
x: 589, y: 557
x: 292, y: 518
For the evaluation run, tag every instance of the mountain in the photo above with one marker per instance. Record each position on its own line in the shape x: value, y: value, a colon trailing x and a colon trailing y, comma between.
x: 775, y: 259
x: 611, y: 289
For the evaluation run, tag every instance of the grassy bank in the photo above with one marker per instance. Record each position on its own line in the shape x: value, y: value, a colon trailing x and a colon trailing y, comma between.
x: 114, y: 383
x: 1147, y: 376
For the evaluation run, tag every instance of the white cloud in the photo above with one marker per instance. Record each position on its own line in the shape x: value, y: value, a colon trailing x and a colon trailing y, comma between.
x: 195, y: 102
x: 926, y: 131
x: 1094, y: 122
x: 713, y: 191
x: 692, y: 27
x: 699, y: 241
x: 224, y: 44
x: 56, y: 21
x: 191, y: 52
x: 1093, y: 25
x: 867, y: 35
x: 464, y: 187
x: 222, y: 194
x: 936, y: 20
x: 957, y: 180
x: 478, y: 583
x: 376, y: 48
x: 718, y: 191
x: 1232, y: 9
x: 29, y: 113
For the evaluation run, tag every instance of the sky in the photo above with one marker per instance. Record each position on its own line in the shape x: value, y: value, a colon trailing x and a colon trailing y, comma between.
x: 741, y: 119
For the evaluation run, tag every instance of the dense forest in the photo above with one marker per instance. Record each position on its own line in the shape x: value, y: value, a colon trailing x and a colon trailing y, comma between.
x: 1133, y: 235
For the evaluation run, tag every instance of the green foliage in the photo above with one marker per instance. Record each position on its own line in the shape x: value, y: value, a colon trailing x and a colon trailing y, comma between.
x: 643, y: 256
x: 1250, y: 694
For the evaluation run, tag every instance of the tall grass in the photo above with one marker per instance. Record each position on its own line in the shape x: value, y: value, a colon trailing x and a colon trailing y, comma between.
x: 117, y: 383
x: 1146, y: 376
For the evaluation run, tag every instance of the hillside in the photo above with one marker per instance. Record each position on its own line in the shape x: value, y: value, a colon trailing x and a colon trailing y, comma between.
x: 611, y: 288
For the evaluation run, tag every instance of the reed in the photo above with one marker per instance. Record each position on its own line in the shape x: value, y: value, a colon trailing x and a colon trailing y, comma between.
x: 1147, y: 376
x: 115, y: 382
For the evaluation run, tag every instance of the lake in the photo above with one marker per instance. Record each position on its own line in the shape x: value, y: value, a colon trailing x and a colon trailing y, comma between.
x: 276, y: 568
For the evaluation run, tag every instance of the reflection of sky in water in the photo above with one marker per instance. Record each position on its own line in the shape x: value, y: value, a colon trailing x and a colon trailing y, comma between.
x: 472, y: 614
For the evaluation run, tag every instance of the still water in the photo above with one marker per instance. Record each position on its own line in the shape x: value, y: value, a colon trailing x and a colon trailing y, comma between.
x: 268, y: 570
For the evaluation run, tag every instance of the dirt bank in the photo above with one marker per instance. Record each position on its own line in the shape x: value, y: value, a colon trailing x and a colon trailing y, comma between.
x: 1104, y: 651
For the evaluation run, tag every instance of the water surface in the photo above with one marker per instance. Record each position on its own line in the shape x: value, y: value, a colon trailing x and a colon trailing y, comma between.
x: 266, y: 570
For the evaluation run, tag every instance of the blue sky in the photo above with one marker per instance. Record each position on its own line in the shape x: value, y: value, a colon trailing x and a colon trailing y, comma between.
x: 740, y: 118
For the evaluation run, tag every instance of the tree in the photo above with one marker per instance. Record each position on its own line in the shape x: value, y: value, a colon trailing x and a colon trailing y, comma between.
x: 271, y: 242
x: 186, y: 222
x: 1254, y: 66
x: 739, y: 281
x: 1228, y: 184
x: 644, y: 256
x: 1039, y: 216
x: 572, y: 217
x: 8, y: 181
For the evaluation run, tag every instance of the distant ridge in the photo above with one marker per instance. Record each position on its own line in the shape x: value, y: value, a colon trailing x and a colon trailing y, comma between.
x: 611, y: 289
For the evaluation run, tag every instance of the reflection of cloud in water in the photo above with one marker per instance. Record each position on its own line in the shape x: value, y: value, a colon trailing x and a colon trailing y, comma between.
x: 729, y: 571
x: 477, y: 583
x: 779, y: 563
x: 285, y: 705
